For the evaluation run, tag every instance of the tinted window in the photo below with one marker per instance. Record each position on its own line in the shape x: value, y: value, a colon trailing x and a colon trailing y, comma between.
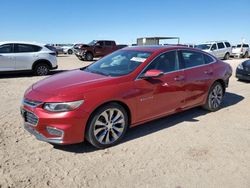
x: 227, y: 44
x: 108, y: 43
x: 245, y: 45
x: 25, y: 48
x: 220, y: 45
x: 192, y: 59
x: 214, y: 47
x: 7, y: 48
x: 208, y: 59
x: 101, y: 43
x: 165, y: 63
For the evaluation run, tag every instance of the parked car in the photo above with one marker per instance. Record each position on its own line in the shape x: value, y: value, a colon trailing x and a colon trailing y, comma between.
x: 97, y: 48
x: 69, y: 49
x: 25, y: 56
x: 241, y: 50
x: 243, y: 71
x: 220, y: 49
x: 124, y: 89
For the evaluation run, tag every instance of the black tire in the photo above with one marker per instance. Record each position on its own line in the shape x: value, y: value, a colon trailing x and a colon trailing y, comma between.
x: 227, y: 56
x: 89, y: 56
x: 41, y: 69
x: 70, y: 52
x: 246, y: 55
x: 101, y: 133
x: 214, y: 97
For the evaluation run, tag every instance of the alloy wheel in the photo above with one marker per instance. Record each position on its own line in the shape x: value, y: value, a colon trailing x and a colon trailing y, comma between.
x: 109, y: 126
x: 215, y: 96
x: 42, y: 70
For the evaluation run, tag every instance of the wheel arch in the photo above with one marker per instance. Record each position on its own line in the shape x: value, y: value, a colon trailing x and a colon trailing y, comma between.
x: 41, y: 61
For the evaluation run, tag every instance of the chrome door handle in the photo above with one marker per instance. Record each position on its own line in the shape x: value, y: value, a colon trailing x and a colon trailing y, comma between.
x: 208, y: 72
x: 179, y: 78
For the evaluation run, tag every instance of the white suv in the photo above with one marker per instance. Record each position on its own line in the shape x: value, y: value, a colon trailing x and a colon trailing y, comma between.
x: 23, y: 56
x: 241, y: 50
x: 220, y: 49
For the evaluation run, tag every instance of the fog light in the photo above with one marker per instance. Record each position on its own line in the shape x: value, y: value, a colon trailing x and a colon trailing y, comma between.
x: 54, y: 131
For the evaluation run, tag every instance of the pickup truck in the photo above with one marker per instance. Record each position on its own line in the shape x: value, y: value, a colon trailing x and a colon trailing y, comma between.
x: 96, y: 48
x: 241, y: 50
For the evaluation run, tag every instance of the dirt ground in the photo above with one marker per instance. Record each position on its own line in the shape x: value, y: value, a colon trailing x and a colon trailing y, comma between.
x: 189, y: 149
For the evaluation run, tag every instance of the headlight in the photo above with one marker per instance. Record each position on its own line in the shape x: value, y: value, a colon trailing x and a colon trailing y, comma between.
x: 62, y: 107
x: 240, y: 67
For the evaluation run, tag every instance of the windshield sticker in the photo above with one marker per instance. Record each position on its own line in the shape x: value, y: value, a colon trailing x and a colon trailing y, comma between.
x: 138, y: 59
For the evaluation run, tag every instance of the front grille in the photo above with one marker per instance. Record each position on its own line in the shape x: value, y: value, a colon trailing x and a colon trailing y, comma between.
x: 30, y: 118
x: 31, y: 103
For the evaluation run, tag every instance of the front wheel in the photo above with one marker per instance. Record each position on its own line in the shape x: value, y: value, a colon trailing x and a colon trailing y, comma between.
x: 107, y: 126
x: 246, y: 55
x: 215, y: 97
x: 227, y: 55
x: 70, y: 52
x: 89, y: 56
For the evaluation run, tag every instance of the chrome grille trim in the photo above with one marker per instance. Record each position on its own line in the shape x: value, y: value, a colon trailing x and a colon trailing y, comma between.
x: 30, y: 118
x: 31, y: 103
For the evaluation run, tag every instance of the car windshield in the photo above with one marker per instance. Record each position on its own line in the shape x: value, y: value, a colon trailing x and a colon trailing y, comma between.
x: 203, y: 46
x: 92, y: 43
x: 119, y: 63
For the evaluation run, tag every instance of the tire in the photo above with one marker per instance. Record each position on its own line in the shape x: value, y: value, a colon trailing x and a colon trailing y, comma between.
x: 41, y: 69
x: 215, y: 97
x: 89, y: 56
x: 246, y: 55
x: 70, y: 52
x: 227, y: 55
x: 107, y: 126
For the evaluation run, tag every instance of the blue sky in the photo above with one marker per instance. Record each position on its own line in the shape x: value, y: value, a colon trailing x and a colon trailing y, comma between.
x: 68, y: 21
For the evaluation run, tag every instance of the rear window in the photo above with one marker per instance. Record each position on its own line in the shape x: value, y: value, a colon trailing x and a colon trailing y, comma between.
x: 6, y: 48
x: 192, y: 59
x: 208, y: 59
x: 220, y: 45
x: 26, y: 48
x: 227, y: 44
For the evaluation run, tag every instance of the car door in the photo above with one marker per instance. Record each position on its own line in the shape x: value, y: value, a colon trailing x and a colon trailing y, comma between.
x: 198, y: 75
x: 163, y: 95
x: 109, y: 47
x: 25, y: 56
x: 100, y: 49
x: 221, y: 50
x: 7, y: 58
x: 214, y: 50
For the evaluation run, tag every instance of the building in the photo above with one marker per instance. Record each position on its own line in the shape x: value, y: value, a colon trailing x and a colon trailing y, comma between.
x: 154, y: 40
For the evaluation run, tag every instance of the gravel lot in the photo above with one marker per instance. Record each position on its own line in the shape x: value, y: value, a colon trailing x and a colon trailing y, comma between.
x: 190, y: 149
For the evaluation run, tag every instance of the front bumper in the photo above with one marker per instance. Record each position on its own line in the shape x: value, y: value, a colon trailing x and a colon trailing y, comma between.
x: 242, y: 74
x: 70, y: 124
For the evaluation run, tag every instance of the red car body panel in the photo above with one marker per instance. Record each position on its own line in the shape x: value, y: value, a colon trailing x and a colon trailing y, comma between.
x: 144, y: 99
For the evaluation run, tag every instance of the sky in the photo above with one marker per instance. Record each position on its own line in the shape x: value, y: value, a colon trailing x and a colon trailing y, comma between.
x: 73, y: 21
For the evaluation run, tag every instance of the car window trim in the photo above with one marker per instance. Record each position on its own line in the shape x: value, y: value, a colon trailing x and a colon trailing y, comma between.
x: 177, y: 60
x: 180, y: 69
x: 12, y: 48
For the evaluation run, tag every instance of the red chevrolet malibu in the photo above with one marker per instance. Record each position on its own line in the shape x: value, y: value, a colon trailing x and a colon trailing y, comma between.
x: 124, y: 89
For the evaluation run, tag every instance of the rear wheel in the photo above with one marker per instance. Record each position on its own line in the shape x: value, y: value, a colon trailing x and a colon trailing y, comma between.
x: 107, y: 126
x: 227, y: 55
x: 246, y: 55
x: 89, y: 56
x: 215, y: 97
x: 41, y: 69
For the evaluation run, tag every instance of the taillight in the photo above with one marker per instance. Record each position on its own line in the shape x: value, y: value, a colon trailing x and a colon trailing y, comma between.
x: 53, y: 53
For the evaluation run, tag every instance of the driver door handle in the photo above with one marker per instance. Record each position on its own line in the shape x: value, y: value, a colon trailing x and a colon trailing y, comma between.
x: 179, y: 78
x: 209, y: 72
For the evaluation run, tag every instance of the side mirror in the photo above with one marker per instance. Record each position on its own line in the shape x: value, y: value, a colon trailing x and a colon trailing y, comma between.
x: 152, y: 74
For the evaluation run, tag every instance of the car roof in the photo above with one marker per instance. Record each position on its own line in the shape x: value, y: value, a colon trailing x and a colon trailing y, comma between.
x: 21, y: 42
x: 156, y: 48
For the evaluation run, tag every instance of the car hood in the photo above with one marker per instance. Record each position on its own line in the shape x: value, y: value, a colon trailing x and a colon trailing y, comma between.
x: 246, y: 63
x: 70, y: 85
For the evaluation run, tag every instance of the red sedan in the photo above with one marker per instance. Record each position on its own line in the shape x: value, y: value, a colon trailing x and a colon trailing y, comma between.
x: 124, y: 89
